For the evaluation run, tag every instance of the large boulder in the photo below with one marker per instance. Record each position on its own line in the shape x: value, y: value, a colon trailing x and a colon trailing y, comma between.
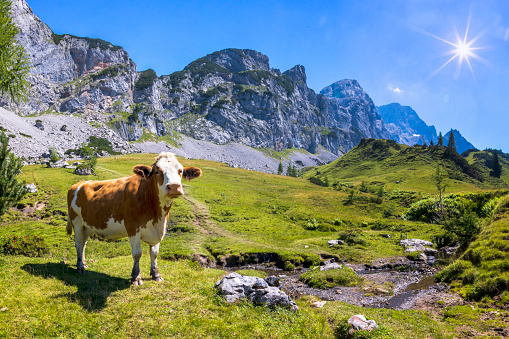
x: 359, y: 323
x: 235, y: 286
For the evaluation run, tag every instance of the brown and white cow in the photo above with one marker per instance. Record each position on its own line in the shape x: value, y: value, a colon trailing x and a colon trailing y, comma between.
x: 136, y: 206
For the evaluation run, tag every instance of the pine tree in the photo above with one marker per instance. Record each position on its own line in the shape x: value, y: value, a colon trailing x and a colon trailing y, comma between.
x: 280, y: 169
x: 424, y: 144
x: 496, y: 167
x: 452, y: 141
x: 440, y: 141
x: 431, y: 143
x: 11, y: 191
x: 14, y: 63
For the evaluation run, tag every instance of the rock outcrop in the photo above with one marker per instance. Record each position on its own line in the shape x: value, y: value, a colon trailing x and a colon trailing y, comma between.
x: 236, y: 287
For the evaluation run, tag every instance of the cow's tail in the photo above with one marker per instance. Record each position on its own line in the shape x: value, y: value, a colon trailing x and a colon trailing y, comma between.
x: 69, y: 227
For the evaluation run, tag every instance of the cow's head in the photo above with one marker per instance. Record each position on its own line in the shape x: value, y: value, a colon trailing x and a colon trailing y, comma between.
x: 167, y: 174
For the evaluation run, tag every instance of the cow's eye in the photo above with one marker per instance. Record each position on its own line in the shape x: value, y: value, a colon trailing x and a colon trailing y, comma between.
x: 180, y: 172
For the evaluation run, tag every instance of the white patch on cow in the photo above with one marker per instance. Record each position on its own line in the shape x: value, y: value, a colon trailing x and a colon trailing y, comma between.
x: 74, y: 206
x: 170, y: 166
x: 153, y: 233
x: 114, y: 230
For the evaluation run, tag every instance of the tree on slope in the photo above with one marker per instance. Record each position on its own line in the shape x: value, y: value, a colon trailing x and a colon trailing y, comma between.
x: 14, y: 63
x: 440, y: 141
x: 11, y: 191
x: 280, y: 168
x: 496, y: 168
x: 452, y: 141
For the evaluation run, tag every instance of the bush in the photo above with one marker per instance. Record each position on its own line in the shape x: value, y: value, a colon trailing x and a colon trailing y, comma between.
x: 146, y: 79
x: 352, y: 237
x: 28, y: 245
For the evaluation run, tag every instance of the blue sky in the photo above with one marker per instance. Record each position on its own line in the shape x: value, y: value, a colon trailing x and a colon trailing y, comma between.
x: 388, y: 46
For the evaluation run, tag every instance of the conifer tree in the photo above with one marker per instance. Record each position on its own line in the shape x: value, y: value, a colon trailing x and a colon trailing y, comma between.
x: 496, y: 167
x: 452, y: 141
x: 11, y: 191
x: 440, y: 141
x: 14, y: 63
x: 280, y: 169
x: 424, y: 144
x: 431, y: 143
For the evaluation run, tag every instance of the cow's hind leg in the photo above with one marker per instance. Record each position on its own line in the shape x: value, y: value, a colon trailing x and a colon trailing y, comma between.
x: 154, y: 271
x: 136, y: 250
x: 80, y: 241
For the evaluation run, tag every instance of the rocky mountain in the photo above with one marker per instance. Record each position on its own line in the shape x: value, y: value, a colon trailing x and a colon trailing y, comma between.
x: 462, y: 144
x: 228, y: 96
x: 405, y: 125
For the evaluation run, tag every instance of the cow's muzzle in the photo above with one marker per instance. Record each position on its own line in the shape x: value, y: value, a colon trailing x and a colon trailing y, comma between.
x: 175, y: 189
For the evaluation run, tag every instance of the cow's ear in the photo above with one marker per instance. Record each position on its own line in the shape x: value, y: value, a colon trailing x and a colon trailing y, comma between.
x: 191, y: 173
x: 142, y: 170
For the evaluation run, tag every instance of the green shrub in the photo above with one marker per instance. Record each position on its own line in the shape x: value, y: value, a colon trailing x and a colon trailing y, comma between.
x: 146, y: 79
x: 382, y: 332
x: 28, y: 245
x: 101, y: 144
x: 343, y: 276
x: 289, y: 266
x: 352, y: 237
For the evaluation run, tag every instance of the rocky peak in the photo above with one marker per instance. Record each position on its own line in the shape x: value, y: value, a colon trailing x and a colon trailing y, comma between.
x: 345, y: 89
x: 406, y: 124
x: 238, y: 60
x: 297, y: 74
x: 61, y: 58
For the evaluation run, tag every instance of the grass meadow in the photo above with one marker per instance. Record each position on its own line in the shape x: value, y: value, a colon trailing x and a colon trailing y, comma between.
x: 227, y: 213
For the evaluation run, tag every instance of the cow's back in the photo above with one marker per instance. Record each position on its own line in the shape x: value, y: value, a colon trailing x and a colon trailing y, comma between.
x: 97, y: 203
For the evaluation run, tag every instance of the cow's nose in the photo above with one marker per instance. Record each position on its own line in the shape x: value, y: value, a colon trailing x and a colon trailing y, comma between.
x: 174, y: 188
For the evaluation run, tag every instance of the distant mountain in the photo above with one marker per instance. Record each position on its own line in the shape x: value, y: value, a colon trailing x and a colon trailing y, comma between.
x: 405, y: 125
x: 227, y: 96
x: 462, y: 144
x: 232, y: 95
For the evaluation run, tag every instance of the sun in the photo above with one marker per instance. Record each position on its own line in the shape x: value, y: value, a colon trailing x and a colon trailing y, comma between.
x: 463, y: 50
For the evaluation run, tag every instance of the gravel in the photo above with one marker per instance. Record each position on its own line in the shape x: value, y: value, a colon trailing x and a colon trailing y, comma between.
x: 32, y: 143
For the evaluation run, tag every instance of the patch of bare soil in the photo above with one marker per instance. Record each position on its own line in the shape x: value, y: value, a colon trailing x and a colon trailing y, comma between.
x: 28, y: 209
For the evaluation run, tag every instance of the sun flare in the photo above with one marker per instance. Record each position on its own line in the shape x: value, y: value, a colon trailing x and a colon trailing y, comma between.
x: 463, y: 50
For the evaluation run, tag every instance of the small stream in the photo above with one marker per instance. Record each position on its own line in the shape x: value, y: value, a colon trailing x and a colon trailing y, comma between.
x: 410, y: 282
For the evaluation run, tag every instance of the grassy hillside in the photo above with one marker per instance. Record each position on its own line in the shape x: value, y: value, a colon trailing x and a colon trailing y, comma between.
x: 230, y: 215
x: 482, y: 160
x: 482, y: 272
x: 387, y: 163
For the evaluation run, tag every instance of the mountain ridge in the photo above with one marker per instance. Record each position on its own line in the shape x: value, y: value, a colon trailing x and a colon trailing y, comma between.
x: 232, y: 95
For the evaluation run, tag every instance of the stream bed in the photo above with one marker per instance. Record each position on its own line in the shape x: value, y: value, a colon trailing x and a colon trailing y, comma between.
x: 405, y: 284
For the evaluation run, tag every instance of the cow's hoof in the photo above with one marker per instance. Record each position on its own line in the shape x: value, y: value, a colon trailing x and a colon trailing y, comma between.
x: 137, y: 282
x: 81, y: 270
x: 158, y: 278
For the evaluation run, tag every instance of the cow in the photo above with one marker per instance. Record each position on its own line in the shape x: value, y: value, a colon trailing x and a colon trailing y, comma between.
x: 135, y: 206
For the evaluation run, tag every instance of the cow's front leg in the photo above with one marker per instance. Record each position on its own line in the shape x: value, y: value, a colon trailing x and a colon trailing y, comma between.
x: 154, y: 271
x: 136, y: 250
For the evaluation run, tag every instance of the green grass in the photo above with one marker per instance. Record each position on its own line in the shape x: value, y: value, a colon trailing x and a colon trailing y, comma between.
x: 482, y: 273
x: 392, y: 165
x: 343, y: 276
x: 228, y: 214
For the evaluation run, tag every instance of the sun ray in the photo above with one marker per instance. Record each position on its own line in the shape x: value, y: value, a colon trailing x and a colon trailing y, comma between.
x: 463, y: 50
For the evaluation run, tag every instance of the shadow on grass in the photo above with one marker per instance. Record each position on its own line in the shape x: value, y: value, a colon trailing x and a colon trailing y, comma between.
x: 93, y: 288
